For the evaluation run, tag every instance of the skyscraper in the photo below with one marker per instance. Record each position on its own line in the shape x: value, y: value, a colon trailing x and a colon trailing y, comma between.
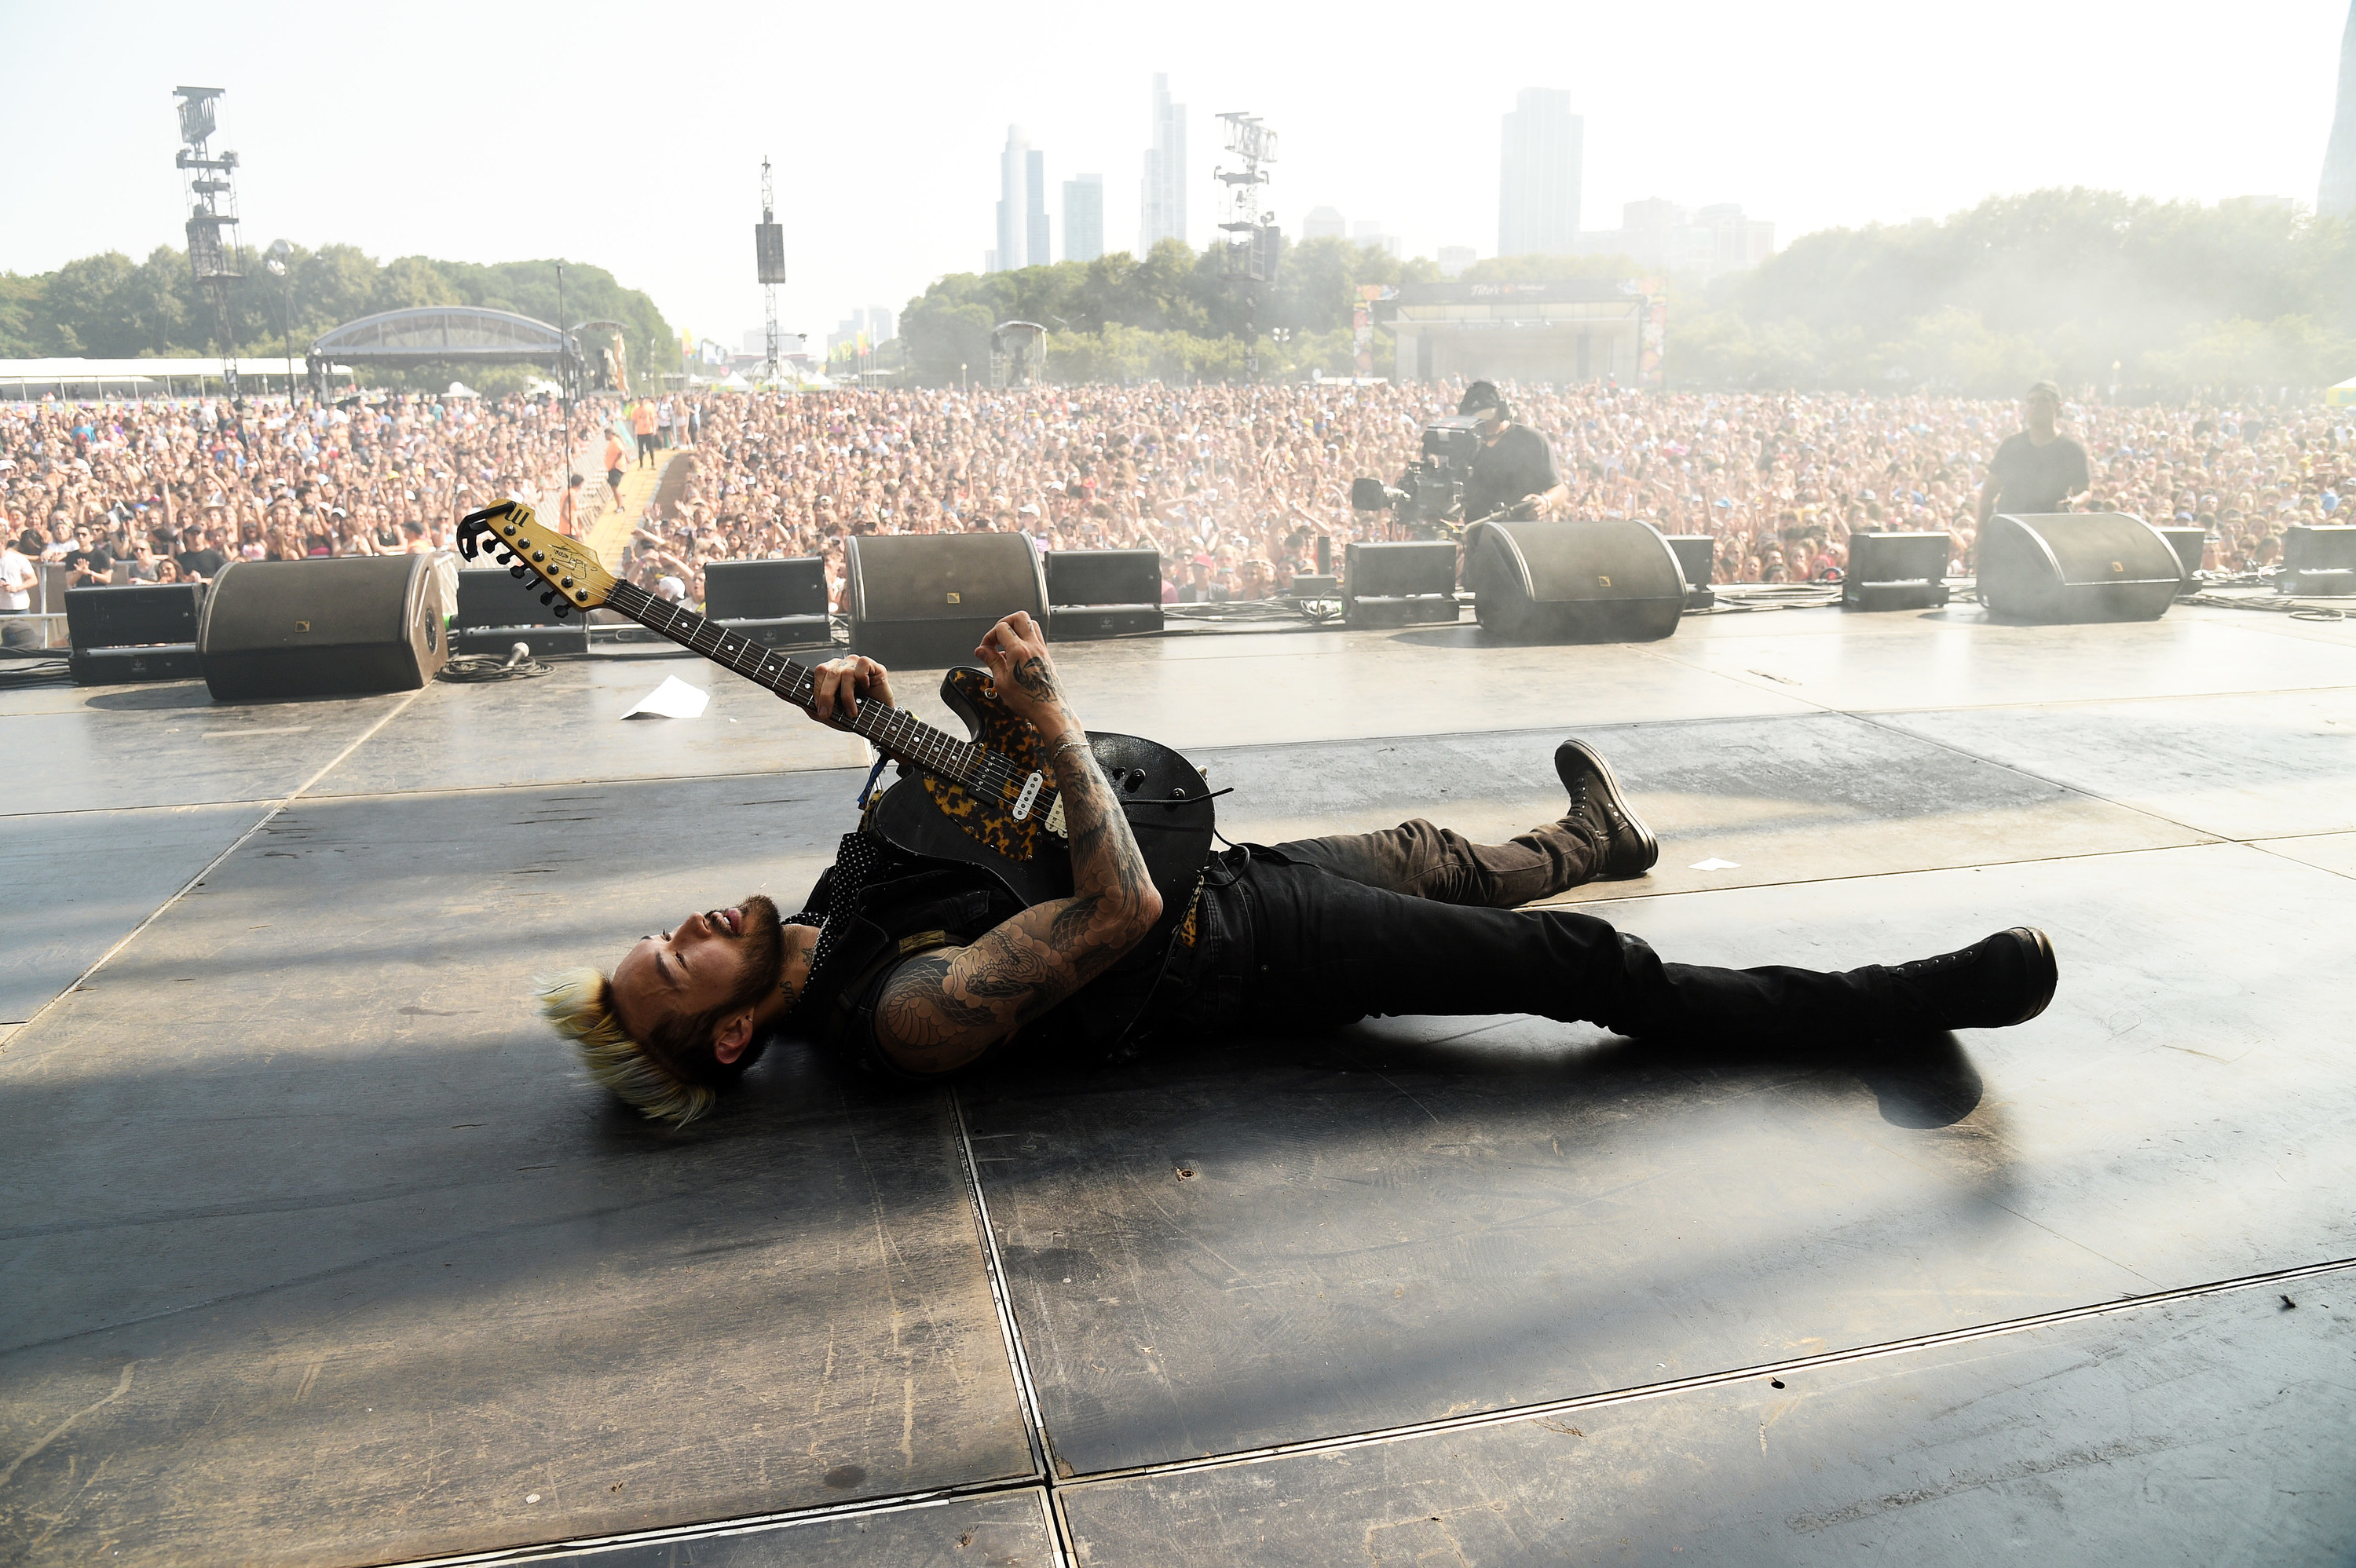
x: 1013, y: 203
x: 1323, y: 223
x: 1537, y: 198
x: 1084, y: 217
x: 1034, y: 208
x: 2337, y: 196
x: 1161, y: 197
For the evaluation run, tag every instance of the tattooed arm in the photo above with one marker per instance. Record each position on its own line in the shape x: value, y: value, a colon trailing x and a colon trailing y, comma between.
x: 941, y: 1010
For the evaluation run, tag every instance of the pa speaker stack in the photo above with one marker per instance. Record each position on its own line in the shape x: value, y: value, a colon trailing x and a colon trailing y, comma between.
x: 1404, y: 584
x: 2054, y: 567
x: 1103, y: 593
x: 923, y: 601
x: 275, y: 630
x: 133, y: 633
x: 1895, y: 571
x: 496, y: 611
x: 777, y: 603
x: 1615, y: 582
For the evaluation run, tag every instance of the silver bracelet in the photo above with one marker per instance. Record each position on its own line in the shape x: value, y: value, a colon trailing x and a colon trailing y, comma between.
x: 1065, y: 744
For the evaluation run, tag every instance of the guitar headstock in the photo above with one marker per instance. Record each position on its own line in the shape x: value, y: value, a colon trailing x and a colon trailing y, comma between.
x: 517, y: 539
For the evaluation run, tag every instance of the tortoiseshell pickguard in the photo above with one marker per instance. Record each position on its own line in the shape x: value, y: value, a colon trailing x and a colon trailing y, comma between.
x: 986, y: 821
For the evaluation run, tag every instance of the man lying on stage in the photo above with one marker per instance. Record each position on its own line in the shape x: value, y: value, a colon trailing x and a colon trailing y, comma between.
x: 930, y: 968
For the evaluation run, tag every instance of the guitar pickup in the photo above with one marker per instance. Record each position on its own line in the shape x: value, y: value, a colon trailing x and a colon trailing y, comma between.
x: 1029, y: 797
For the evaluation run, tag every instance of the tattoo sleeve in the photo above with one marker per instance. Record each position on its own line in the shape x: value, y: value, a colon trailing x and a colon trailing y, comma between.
x: 941, y: 1010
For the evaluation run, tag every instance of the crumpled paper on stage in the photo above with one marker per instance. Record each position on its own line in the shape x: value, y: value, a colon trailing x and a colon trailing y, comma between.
x: 674, y: 699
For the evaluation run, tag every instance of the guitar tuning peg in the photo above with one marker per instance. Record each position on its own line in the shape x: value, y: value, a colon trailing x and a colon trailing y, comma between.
x: 549, y: 597
x: 563, y: 609
x: 516, y: 573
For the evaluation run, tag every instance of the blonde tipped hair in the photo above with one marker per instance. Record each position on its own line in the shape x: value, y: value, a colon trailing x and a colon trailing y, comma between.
x: 580, y: 1004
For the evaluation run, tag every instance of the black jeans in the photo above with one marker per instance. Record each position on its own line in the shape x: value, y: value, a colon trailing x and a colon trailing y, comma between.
x: 1417, y: 920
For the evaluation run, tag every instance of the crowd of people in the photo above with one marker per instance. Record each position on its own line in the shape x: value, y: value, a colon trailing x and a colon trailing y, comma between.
x: 1233, y: 484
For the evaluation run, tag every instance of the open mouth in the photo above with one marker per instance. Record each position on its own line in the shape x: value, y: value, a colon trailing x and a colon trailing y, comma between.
x: 731, y: 919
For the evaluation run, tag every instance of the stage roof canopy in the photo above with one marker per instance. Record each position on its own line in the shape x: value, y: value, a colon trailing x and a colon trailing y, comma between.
x: 441, y: 333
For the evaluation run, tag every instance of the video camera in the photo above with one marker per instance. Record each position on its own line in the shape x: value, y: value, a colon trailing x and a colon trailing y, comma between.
x: 1429, y: 497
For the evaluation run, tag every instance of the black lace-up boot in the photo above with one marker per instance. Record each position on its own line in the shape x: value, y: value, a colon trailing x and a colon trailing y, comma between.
x: 1995, y: 983
x: 1624, y: 846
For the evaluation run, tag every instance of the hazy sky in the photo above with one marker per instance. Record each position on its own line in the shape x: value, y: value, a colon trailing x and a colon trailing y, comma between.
x: 631, y: 136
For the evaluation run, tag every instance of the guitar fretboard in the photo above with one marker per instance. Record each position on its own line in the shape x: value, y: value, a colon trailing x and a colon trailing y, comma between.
x: 893, y: 732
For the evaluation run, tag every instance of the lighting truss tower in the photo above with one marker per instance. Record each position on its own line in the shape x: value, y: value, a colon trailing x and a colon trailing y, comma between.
x: 1251, y: 228
x: 214, y: 254
x: 770, y: 256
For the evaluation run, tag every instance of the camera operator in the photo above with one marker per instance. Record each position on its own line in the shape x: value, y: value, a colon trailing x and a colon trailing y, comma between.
x: 1515, y: 467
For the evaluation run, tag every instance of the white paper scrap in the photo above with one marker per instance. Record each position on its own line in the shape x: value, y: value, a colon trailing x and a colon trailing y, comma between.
x: 1714, y: 864
x: 674, y: 699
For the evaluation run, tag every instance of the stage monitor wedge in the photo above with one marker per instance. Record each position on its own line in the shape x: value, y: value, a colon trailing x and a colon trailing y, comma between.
x: 2058, y: 567
x: 923, y: 601
x: 1103, y: 593
x: 776, y: 603
x: 1406, y: 583
x: 1612, y: 581
x: 1895, y: 571
x: 353, y: 626
x: 144, y: 632
x: 2316, y: 560
x: 496, y: 611
x: 1697, y: 558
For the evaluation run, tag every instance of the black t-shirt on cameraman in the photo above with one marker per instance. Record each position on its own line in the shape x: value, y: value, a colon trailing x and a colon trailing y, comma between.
x: 2032, y: 479
x: 206, y: 563
x: 1521, y: 464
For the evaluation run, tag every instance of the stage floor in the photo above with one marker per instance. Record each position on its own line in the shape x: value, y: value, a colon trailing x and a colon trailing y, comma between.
x: 319, y: 1252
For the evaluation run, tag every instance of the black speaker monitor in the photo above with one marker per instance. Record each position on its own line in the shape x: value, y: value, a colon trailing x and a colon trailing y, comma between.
x: 496, y: 611
x: 2315, y: 560
x: 1612, y: 581
x: 1103, y: 593
x: 146, y: 633
x: 2053, y: 567
x: 1895, y: 571
x: 777, y: 603
x: 1408, y: 583
x: 2189, y: 545
x: 924, y: 601
x: 1697, y: 559
x: 273, y: 630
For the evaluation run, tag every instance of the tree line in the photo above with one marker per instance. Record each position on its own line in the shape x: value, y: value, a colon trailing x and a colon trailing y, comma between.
x: 110, y: 307
x: 2084, y: 287
x: 2089, y: 288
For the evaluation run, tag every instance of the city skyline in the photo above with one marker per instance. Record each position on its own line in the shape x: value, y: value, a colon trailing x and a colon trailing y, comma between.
x: 1763, y: 110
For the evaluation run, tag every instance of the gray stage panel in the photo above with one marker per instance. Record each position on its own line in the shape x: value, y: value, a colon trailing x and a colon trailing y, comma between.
x: 107, y: 748
x: 1009, y: 1527
x: 2213, y: 1431
x: 1421, y: 1216
x: 323, y: 1253
x: 1956, y: 657
x: 79, y: 882
x: 1787, y: 799
x: 1193, y: 692
x: 2256, y: 765
x: 567, y: 727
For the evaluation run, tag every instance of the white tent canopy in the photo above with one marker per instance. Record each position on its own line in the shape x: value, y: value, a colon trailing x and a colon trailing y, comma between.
x: 31, y: 377
x: 2341, y: 396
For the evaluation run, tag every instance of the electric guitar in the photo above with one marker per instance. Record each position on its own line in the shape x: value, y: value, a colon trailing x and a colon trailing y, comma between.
x: 989, y: 800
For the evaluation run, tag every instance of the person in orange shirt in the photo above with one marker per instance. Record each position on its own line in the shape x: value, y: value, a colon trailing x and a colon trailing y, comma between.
x: 614, y: 454
x: 642, y: 420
